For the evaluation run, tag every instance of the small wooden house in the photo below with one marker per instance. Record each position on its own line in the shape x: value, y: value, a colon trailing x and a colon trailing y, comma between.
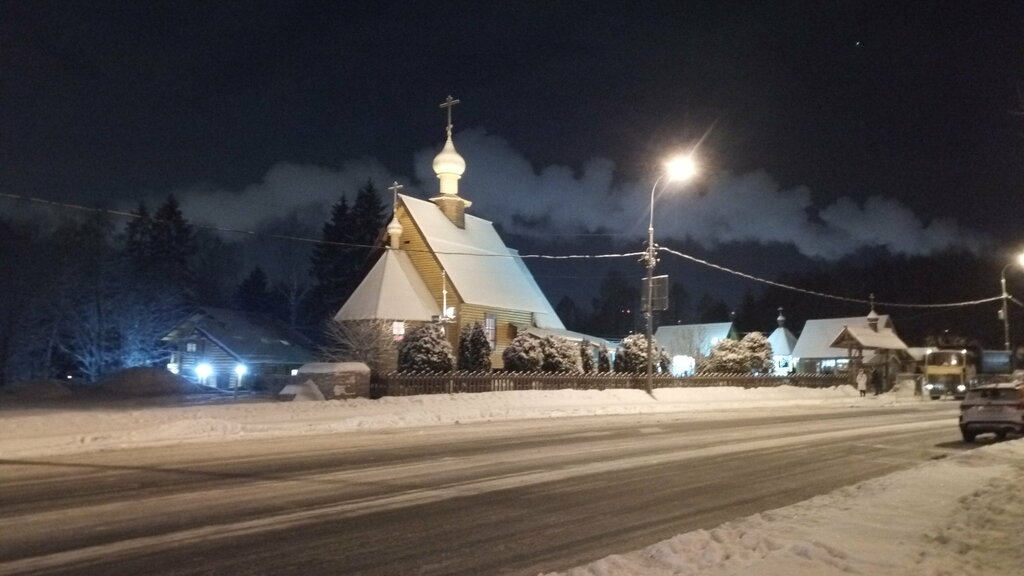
x: 234, y: 345
x: 833, y: 345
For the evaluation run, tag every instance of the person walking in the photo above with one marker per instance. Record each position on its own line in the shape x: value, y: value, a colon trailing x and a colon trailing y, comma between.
x: 862, y: 382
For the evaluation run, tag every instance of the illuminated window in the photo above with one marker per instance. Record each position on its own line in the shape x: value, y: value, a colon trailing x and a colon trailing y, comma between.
x: 491, y: 330
x: 398, y: 331
x: 190, y: 347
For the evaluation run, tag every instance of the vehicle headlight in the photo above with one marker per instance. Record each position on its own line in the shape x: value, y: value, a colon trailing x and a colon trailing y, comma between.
x: 960, y: 387
x: 929, y: 386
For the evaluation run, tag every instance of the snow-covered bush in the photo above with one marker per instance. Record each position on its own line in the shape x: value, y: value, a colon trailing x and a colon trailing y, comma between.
x: 759, y: 351
x: 631, y: 355
x: 425, y: 349
x: 604, y: 361
x: 752, y: 354
x: 523, y: 354
x: 560, y: 355
x: 586, y: 357
x: 474, y: 349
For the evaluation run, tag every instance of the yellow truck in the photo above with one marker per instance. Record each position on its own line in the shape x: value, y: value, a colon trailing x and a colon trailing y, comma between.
x: 948, y: 373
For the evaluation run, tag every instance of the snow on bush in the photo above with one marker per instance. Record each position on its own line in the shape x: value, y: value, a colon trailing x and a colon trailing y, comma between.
x: 531, y: 353
x: 474, y: 349
x: 586, y: 357
x: 560, y: 355
x: 752, y: 354
x: 631, y: 356
x: 425, y: 349
x: 523, y: 354
x: 604, y: 360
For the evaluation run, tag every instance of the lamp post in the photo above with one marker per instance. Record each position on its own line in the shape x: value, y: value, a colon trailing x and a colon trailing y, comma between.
x: 678, y: 168
x: 1006, y: 296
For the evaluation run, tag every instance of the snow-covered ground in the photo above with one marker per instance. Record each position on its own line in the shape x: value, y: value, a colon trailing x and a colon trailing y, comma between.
x: 962, y: 515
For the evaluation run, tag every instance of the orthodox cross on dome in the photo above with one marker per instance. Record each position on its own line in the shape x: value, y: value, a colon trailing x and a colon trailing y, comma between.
x: 394, y: 188
x: 448, y: 103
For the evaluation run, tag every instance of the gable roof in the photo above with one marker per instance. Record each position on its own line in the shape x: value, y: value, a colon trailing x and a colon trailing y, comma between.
x: 692, y: 339
x: 782, y: 341
x: 251, y: 338
x: 867, y: 339
x: 816, y: 338
x: 392, y: 290
x: 480, y: 267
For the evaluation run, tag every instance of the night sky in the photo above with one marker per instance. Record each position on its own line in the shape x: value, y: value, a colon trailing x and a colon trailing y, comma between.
x: 822, y: 127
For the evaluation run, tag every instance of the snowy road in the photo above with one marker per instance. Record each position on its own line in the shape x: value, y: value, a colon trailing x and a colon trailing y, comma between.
x: 518, y: 497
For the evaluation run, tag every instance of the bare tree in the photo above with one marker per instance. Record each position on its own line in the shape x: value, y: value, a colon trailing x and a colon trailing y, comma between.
x: 367, y: 341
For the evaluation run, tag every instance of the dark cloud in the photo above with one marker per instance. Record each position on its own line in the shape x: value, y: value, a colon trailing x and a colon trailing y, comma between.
x: 505, y: 187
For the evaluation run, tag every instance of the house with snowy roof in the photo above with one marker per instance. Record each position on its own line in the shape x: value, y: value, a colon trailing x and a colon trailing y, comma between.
x: 835, y: 344
x: 688, y: 344
x: 444, y: 265
x: 220, y: 347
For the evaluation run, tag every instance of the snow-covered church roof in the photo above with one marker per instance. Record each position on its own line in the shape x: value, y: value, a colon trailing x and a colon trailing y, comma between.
x: 782, y: 341
x: 479, y: 266
x: 393, y: 290
x: 818, y: 335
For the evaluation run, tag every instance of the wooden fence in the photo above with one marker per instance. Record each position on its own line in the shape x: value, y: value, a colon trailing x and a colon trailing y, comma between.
x: 412, y: 383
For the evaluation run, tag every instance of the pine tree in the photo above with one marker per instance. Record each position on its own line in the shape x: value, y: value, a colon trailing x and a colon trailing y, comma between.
x: 252, y: 294
x: 425, y: 349
x: 159, y: 248
x: 617, y: 299
x: 341, y: 262
x: 586, y: 357
x: 474, y: 349
x: 367, y: 215
x: 329, y: 263
x: 604, y: 361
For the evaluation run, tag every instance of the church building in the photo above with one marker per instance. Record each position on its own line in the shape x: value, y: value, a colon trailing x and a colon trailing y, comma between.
x: 442, y: 264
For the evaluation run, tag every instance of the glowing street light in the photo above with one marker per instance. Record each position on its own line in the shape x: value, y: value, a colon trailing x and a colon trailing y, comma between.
x: 240, y: 370
x: 676, y: 169
x: 1004, y: 312
x: 203, y: 371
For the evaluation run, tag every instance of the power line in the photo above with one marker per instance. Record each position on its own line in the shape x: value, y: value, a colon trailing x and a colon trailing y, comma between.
x: 822, y: 294
x: 254, y: 234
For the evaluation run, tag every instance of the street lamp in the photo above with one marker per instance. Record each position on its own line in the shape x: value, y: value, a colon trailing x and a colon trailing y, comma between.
x: 240, y: 370
x: 677, y: 168
x: 1005, y: 313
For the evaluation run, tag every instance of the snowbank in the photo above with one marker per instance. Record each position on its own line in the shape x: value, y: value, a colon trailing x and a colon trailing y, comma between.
x: 962, y: 516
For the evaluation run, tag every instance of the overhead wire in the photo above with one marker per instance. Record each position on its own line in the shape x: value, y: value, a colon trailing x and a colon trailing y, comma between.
x: 694, y: 259
x: 823, y: 294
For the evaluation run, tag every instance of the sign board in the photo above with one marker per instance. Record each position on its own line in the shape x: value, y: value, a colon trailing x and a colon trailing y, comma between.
x: 659, y: 293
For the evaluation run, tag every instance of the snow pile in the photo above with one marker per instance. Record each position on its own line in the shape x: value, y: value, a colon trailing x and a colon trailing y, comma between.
x: 962, y: 516
x: 98, y: 426
x: 305, y: 391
